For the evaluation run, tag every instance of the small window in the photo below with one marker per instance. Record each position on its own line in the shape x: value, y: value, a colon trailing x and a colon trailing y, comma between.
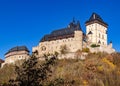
x: 102, y: 36
x: 99, y: 42
x: 43, y: 48
x: 106, y: 32
x: 99, y: 35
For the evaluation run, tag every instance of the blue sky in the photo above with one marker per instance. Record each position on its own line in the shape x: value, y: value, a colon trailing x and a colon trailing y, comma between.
x: 24, y: 22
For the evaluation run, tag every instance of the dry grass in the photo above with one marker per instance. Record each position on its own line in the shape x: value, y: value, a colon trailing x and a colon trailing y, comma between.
x: 99, y: 69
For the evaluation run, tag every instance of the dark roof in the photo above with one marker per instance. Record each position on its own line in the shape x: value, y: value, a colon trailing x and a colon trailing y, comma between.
x: 97, y: 17
x: 56, y: 34
x: 18, y: 48
x: 1, y: 61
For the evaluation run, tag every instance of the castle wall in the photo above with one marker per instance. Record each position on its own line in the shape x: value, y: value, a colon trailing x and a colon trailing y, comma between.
x: 14, y: 56
x: 72, y: 44
x: 106, y: 49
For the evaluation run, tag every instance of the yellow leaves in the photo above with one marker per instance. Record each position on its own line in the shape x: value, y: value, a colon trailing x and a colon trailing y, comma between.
x: 111, y: 65
x: 118, y: 72
x: 100, y: 68
x: 85, y: 83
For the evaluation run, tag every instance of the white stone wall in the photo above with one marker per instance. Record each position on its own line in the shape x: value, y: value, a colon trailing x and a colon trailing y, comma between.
x: 14, y: 56
x: 106, y: 49
x: 98, y: 34
x: 72, y: 44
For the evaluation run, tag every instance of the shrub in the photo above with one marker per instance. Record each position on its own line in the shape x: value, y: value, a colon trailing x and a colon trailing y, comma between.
x: 64, y: 49
x: 86, y: 50
x: 56, y: 53
x: 94, y: 45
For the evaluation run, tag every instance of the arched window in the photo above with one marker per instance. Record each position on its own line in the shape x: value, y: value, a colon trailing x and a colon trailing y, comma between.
x: 99, y: 42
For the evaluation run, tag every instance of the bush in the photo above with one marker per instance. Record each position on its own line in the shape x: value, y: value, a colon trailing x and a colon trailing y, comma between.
x: 86, y: 50
x: 94, y: 45
x: 64, y: 49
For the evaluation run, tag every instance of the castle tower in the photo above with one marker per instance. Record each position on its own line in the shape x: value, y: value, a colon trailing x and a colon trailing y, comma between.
x: 96, y: 30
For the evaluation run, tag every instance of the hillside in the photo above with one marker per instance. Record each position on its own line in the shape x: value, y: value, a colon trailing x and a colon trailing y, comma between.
x: 99, y: 69
x: 1, y: 61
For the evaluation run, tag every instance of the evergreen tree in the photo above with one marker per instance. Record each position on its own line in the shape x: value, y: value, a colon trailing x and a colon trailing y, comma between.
x: 31, y: 74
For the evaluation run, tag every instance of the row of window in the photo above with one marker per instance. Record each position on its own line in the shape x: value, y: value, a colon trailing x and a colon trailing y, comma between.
x: 101, y: 42
x: 59, y: 41
x: 43, y: 48
x: 19, y: 57
x: 103, y: 31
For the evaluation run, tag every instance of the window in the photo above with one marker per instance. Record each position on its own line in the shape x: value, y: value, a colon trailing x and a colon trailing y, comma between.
x: 102, y: 36
x: 103, y: 43
x: 106, y: 32
x: 99, y: 42
x: 99, y: 35
x: 43, y: 48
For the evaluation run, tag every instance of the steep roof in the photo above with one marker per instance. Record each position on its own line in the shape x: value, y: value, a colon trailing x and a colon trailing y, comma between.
x: 97, y: 18
x: 73, y: 26
x: 18, y: 48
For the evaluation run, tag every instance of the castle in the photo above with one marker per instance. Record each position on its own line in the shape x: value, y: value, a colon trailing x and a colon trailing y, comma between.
x: 75, y: 39
x: 15, y: 54
x: 71, y: 38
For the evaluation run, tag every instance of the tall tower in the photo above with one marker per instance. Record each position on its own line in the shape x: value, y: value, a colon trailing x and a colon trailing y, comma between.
x: 96, y: 30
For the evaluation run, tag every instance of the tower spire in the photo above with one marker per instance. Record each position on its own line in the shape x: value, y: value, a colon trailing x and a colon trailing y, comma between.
x: 73, y: 19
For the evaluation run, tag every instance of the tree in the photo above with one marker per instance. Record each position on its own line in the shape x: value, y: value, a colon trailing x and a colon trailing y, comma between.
x: 63, y: 49
x: 32, y: 74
